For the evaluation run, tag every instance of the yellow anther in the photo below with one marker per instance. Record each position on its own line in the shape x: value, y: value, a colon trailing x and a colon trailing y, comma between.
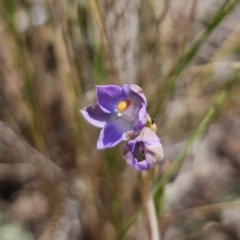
x: 123, y: 105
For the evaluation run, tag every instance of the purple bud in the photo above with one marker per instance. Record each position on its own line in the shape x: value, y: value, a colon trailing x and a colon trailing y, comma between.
x: 145, y: 151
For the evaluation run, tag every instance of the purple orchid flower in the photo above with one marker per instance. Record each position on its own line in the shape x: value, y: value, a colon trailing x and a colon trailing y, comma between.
x: 145, y: 151
x: 118, y: 110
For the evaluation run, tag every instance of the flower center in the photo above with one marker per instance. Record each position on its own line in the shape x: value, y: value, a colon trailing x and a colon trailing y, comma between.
x: 123, y: 105
x: 138, y: 152
x: 126, y: 110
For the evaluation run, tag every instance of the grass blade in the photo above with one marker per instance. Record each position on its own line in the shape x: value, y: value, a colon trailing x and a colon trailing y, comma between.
x: 131, y: 221
x: 158, y: 100
x: 201, y: 127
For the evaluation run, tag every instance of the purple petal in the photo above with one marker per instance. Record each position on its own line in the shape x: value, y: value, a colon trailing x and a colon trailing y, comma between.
x: 152, y: 159
x: 95, y: 115
x: 154, y: 152
x: 131, y: 145
x: 141, y: 118
x: 127, y: 153
x: 140, y: 166
x: 129, y: 113
x: 128, y: 156
x: 111, y: 135
x: 147, y: 136
x: 109, y: 96
x: 135, y: 94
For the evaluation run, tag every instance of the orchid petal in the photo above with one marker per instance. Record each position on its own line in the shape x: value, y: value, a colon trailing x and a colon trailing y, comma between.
x: 129, y: 113
x: 131, y: 145
x: 147, y: 135
x: 135, y: 94
x: 95, y: 115
x: 140, y: 166
x: 154, y: 152
x: 127, y: 152
x: 129, y: 158
x: 141, y: 118
x: 109, y: 96
x: 111, y: 135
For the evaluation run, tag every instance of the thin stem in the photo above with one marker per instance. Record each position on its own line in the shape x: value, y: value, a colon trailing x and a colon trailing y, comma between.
x: 152, y: 219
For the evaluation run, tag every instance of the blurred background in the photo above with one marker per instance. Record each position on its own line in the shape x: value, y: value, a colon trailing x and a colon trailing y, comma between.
x: 54, y: 184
